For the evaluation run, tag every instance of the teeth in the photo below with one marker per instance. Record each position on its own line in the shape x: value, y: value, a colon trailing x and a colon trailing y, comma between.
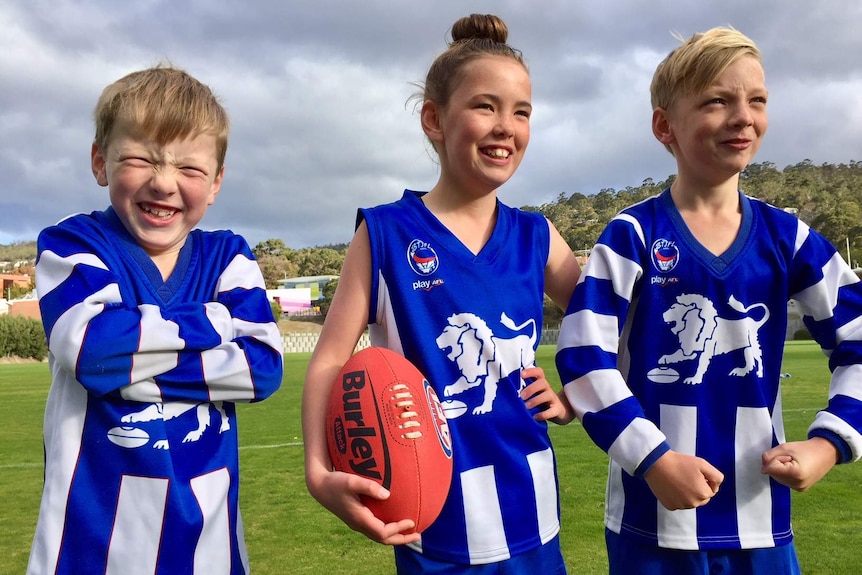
x: 498, y: 153
x: 159, y: 213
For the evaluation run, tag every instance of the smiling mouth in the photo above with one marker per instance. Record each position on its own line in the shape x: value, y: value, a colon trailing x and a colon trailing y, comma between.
x: 498, y: 153
x: 158, y: 213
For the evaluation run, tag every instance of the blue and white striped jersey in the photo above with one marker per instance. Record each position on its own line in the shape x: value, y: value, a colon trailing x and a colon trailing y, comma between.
x: 470, y: 323
x: 666, y: 345
x: 141, y: 460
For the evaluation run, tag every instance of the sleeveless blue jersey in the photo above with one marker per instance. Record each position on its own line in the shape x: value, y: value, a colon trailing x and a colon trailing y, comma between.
x: 470, y: 323
x: 141, y: 460
x: 666, y: 345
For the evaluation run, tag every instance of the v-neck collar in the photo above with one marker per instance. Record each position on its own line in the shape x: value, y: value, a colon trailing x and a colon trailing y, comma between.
x: 489, y: 251
x: 719, y: 263
x: 165, y: 289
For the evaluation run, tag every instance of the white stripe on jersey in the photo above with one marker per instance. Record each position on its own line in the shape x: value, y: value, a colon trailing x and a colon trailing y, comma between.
x: 231, y: 362
x: 778, y: 418
x: 596, y: 391
x: 242, y: 273
x: 133, y: 534
x: 157, y: 335
x: 820, y: 300
x: 64, y: 417
x: 679, y: 424
x: 542, y: 469
x: 615, y: 497
x: 47, y: 282
x: 266, y: 333
x: 753, y: 437
x: 486, y: 538
x: 587, y: 327
x: 609, y: 265
x: 802, y: 231
x: 66, y: 336
x: 212, y: 554
x: 220, y: 319
x: 635, y: 443
x: 636, y: 225
x: 846, y: 382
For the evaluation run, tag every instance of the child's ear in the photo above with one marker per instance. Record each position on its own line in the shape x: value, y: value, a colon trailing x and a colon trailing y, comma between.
x: 661, y: 127
x: 97, y: 162
x: 216, y: 186
x: 431, y: 123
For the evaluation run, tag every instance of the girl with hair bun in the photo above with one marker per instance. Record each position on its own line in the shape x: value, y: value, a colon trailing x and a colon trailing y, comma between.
x: 456, y: 258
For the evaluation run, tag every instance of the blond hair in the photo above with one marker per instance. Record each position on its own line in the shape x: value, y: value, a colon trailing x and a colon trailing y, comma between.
x: 692, y: 67
x: 162, y: 103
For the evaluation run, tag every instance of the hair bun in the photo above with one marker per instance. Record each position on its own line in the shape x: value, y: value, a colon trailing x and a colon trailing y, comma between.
x: 480, y: 26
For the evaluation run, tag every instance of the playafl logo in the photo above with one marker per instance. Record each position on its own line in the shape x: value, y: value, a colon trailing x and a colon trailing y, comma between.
x: 354, y: 435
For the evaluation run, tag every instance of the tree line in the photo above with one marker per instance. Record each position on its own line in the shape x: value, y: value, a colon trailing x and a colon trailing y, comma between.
x: 827, y: 197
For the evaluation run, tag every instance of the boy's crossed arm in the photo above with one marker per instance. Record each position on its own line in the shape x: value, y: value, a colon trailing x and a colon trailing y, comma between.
x: 225, y: 349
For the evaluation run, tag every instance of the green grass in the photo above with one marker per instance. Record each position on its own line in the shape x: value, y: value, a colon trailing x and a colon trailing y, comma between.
x: 288, y: 532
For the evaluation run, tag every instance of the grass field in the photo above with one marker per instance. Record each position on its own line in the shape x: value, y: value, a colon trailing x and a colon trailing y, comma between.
x: 287, y: 532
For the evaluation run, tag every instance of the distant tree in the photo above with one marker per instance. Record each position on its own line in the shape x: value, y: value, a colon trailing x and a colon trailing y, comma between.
x: 318, y: 261
x: 328, y: 293
x: 271, y: 247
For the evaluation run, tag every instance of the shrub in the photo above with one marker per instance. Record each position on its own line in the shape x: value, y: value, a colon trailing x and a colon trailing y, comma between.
x: 802, y: 334
x: 328, y: 293
x: 276, y: 309
x: 22, y: 337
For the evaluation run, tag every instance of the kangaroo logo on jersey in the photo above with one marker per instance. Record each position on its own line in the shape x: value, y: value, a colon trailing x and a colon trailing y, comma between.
x: 483, y: 359
x: 422, y: 257
x: 703, y: 335
x: 665, y: 255
x: 131, y: 437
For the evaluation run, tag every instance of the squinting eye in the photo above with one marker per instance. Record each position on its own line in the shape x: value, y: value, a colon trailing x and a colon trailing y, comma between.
x: 191, y: 171
x: 137, y: 162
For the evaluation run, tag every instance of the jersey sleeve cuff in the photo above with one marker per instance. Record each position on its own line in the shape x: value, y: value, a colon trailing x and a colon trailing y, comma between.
x: 650, y: 459
x: 845, y: 454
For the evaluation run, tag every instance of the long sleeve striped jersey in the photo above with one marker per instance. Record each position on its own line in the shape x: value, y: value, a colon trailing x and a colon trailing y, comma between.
x: 141, y: 460
x: 667, y: 346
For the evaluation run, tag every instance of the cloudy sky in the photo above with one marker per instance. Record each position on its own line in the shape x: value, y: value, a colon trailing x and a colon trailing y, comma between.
x: 318, y: 94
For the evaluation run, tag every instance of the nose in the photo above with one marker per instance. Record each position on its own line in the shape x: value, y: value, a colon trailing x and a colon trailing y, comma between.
x: 742, y: 115
x: 163, y: 181
x: 505, y: 126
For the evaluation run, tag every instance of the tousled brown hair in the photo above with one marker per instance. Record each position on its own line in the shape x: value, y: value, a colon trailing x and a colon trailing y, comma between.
x: 162, y: 103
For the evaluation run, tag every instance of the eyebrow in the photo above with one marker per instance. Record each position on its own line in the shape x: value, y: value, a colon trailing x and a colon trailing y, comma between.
x: 497, y: 99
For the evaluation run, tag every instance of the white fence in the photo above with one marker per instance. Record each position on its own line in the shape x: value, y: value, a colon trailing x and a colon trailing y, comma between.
x: 305, y: 342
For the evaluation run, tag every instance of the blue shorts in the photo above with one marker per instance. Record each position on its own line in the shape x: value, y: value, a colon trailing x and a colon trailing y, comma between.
x: 547, y: 560
x: 629, y: 557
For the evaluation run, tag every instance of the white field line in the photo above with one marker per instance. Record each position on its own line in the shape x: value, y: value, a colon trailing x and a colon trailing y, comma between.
x: 299, y: 444
x: 241, y: 448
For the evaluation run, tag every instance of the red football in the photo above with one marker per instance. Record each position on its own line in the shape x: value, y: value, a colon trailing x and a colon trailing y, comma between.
x: 385, y: 422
